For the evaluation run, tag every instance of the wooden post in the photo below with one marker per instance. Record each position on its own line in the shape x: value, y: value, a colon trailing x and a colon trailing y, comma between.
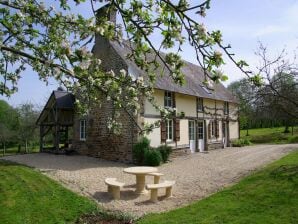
x: 56, y: 129
x: 41, y: 130
x: 66, y: 138
x: 56, y: 137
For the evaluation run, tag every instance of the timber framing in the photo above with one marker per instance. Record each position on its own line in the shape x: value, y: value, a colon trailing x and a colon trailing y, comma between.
x: 57, y: 117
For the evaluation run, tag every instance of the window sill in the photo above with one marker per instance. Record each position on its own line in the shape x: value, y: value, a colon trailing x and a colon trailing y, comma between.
x: 169, y: 141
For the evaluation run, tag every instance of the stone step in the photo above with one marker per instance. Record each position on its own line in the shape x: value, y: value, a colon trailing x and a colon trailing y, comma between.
x: 215, y: 145
x: 179, y: 152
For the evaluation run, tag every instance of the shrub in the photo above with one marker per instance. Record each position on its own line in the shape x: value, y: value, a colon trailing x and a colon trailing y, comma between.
x: 293, y: 139
x: 152, y: 157
x: 139, y: 150
x: 241, y: 142
x: 165, y: 152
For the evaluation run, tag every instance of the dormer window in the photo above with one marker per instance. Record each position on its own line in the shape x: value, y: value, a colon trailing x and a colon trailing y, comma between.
x: 200, y: 106
x: 226, y: 108
x: 169, y: 99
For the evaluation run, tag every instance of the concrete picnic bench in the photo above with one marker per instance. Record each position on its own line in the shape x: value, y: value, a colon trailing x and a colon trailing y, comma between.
x: 140, y: 172
x: 114, y: 187
x: 154, y: 189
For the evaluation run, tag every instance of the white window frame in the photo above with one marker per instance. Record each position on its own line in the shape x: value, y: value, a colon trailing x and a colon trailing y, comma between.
x: 200, y: 104
x: 191, y: 130
x: 168, y: 99
x: 83, y: 129
x: 170, y: 130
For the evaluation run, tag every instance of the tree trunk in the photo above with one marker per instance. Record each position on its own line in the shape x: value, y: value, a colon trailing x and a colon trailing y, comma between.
x: 287, y: 128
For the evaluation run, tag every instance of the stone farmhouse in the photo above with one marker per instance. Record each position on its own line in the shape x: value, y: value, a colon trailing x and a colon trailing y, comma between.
x: 210, y: 116
x: 210, y: 121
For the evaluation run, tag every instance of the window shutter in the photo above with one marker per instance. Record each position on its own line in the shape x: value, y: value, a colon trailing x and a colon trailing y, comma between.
x: 177, y: 130
x: 163, y: 131
x: 209, y: 130
x: 174, y: 100
x: 216, y: 129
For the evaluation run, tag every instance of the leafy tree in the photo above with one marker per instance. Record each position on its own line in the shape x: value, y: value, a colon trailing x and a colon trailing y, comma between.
x: 245, y: 93
x: 8, y: 124
x: 27, y: 130
x: 56, y: 43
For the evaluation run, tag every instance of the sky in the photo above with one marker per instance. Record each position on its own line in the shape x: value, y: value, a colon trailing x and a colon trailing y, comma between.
x: 243, y: 24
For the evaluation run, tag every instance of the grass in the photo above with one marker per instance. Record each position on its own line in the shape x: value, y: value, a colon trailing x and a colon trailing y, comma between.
x: 27, y: 196
x: 270, y: 135
x: 14, y: 150
x: 267, y: 196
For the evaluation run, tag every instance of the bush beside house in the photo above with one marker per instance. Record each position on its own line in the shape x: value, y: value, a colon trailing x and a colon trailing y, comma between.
x: 145, y: 155
x: 241, y: 142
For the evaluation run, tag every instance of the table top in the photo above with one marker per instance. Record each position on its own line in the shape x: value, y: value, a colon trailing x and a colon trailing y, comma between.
x: 140, y: 170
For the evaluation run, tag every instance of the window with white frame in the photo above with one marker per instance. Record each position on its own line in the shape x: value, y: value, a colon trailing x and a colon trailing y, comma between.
x: 168, y: 99
x: 200, y: 104
x: 191, y: 130
x: 226, y: 107
x: 169, y: 130
x: 83, y: 129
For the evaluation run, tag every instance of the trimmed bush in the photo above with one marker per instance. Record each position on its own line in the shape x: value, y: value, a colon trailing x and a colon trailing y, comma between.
x: 152, y: 157
x: 165, y: 152
x: 139, y: 150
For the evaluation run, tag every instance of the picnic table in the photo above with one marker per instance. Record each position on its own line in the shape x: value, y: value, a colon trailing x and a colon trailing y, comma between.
x: 140, y: 172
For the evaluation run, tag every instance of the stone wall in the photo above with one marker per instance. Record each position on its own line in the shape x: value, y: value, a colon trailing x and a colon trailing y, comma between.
x: 100, y: 142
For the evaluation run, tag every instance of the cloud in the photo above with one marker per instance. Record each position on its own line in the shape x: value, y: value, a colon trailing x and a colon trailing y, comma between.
x: 271, y: 29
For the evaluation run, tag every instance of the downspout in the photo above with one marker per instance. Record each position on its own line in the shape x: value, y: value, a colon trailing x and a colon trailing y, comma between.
x: 196, y: 127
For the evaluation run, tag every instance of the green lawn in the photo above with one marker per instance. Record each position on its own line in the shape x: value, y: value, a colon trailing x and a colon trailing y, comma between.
x: 27, y: 196
x: 267, y: 196
x: 270, y: 135
x: 14, y: 150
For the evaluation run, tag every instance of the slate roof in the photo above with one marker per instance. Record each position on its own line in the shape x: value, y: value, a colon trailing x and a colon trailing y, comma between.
x: 194, y: 77
x: 63, y: 100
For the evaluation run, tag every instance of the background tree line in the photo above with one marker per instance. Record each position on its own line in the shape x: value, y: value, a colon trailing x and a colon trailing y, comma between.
x: 272, y: 105
x: 275, y: 102
x: 17, y: 127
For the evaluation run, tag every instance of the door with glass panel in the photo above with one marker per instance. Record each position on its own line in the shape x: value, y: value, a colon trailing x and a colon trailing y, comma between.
x: 191, y: 135
x: 200, y: 134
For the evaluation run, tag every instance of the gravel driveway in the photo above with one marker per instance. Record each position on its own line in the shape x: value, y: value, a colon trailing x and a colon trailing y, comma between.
x: 196, y: 175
